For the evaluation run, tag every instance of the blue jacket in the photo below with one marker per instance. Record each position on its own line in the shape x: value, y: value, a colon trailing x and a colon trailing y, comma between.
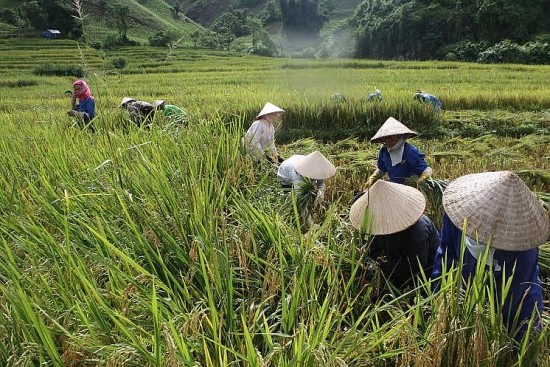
x: 404, y: 252
x: 413, y: 163
x: 433, y: 100
x: 88, y: 107
x: 525, y: 292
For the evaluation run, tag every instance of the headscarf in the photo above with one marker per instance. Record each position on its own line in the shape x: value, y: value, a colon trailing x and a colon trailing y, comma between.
x: 396, y: 152
x: 85, y: 93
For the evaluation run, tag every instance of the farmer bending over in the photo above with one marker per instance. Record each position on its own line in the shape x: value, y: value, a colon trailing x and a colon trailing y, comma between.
x: 259, y: 140
x: 404, y: 239
x: 499, y: 211
x: 398, y: 158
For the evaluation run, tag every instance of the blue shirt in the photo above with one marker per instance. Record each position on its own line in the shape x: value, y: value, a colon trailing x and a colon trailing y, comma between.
x: 413, y: 163
x: 433, y: 100
x: 88, y: 107
x: 525, y: 292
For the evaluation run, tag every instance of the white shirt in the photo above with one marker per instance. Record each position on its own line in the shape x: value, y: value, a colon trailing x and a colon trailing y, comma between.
x: 260, y: 138
x: 287, y: 175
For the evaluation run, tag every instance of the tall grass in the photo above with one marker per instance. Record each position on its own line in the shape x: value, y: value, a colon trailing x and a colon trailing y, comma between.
x: 169, y: 247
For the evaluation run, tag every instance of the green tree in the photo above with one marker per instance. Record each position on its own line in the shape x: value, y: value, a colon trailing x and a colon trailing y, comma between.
x: 40, y: 14
x: 302, y: 17
x: 119, y: 16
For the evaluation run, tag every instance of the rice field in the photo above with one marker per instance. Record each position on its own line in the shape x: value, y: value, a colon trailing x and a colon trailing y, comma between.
x: 168, y: 246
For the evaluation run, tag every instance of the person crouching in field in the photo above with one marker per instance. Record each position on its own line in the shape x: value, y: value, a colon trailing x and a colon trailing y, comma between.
x: 430, y: 99
x: 404, y: 239
x: 259, y: 140
x: 84, y: 110
x: 171, y: 112
x: 141, y: 112
x: 399, y: 159
x: 375, y: 96
x: 306, y: 174
x: 504, y: 224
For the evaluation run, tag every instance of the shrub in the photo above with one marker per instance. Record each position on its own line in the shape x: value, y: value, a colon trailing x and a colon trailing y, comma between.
x: 160, y: 39
x: 502, y: 52
x: 119, y: 62
x: 464, y: 50
x: 59, y: 70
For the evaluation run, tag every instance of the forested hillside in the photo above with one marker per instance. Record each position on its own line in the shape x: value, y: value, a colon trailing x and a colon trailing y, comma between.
x: 463, y: 30
x: 452, y: 29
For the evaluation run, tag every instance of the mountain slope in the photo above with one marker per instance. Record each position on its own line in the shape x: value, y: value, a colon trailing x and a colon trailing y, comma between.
x: 178, y: 18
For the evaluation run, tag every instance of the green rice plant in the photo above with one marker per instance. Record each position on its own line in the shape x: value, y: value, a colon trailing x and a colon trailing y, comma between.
x: 169, y: 246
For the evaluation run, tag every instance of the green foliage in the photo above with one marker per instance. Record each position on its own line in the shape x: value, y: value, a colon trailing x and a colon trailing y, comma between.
x: 510, y: 52
x: 429, y: 29
x: 301, y: 19
x: 119, y: 62
x: 59, y: 70
x: 40, y: 14
x: 18, y: 83
x: 160, y: 39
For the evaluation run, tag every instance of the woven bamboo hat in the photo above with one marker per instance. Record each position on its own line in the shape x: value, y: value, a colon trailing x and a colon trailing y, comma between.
x: 315, y: 165
x: 125, y: 100
x: 499, y: 209
x: 391, y: 208
x: 269, y: 108
x: 390, y: 128
x: 158, y: 102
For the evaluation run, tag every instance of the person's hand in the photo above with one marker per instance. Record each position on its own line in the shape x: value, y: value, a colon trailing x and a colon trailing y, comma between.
x: 73, y: 113
x: 371, y: 180
x: 424, y: 176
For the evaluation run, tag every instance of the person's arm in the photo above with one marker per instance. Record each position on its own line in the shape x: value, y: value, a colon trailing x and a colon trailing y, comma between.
x: 416, y: 160
x: 271, y: 148
x: 378, y: 173
x: 390, y: 255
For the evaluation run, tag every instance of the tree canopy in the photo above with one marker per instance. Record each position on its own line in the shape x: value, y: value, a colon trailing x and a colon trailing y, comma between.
x: 424, y: 29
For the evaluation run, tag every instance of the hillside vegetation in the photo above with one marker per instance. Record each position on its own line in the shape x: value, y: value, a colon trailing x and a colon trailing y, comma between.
x: 472, y: 30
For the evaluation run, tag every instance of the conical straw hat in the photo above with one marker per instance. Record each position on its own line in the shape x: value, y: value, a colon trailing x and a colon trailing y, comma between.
x: 499, y: 209
x: 269, y: 108
x: 125, y: 100
x: 391, y: 208
x: 158, y: 102
x: 392, y: 127
x: 315, y: 165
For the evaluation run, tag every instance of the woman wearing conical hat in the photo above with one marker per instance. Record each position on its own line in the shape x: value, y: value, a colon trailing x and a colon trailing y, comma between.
x: 397, y: 158
x: 259, y: 140
x: 316, y: 167
x: 404, y: 238
x: 497, y: 210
